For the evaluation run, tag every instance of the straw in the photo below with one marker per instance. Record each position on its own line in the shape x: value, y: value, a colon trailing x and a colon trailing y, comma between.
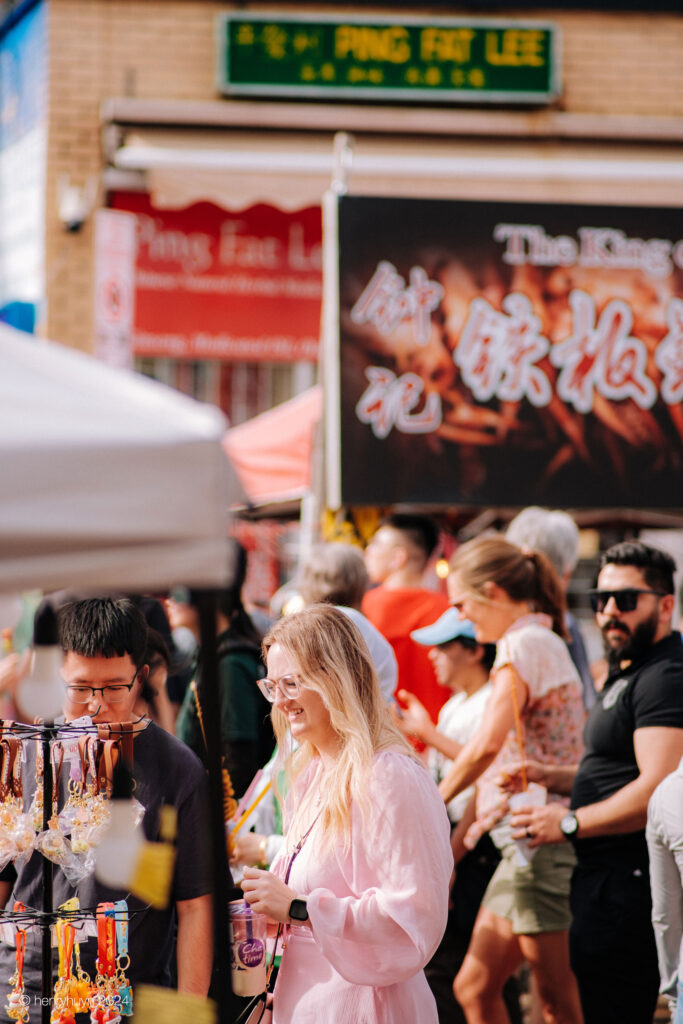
x: 251, y: 808
x: 518, y: 727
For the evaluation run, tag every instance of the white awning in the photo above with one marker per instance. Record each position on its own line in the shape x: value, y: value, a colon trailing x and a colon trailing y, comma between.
x: 112, y: 481
x: 293, y: 169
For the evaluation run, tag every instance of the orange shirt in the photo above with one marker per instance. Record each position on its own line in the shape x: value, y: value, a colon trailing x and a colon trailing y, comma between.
x: 395, y: 613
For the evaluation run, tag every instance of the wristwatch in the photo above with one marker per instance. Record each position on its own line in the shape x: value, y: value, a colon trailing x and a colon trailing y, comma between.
x: 298, y: 911
x: 569, y: 826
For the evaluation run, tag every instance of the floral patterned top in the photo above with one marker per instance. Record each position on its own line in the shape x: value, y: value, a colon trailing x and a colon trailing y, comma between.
x: 552, y: 718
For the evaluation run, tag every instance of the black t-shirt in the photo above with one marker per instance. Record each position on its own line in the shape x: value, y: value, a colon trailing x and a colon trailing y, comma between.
x: 165, y: 772
x: 649, y: 693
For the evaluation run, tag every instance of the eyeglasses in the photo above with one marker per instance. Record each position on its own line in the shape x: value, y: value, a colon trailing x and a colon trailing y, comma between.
x: 112, y: 694
x: 626, y: 600
x: 288, y: 686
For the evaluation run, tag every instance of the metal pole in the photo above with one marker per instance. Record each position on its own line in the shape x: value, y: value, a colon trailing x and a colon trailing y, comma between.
x: 49, y: 734
x: 223, y: 889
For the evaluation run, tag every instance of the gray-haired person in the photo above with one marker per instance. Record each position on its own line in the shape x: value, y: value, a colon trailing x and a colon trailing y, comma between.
x: 335, y: 573
x: 556, y: 534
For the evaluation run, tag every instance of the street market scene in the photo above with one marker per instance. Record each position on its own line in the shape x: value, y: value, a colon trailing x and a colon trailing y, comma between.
x: 341, y: 525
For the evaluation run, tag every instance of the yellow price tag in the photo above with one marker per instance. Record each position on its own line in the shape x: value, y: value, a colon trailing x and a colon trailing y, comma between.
x: 153, y: 874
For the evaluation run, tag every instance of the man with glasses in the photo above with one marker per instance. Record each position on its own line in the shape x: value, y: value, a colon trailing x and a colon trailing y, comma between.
x: 103, y: 670
x: 633, y: 738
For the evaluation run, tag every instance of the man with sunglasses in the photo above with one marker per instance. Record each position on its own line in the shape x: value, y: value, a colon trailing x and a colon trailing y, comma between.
x: 104, y: 643
x: 633, y: 739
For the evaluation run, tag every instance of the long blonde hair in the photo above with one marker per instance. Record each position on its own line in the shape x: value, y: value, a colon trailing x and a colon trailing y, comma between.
x: 334, y: 660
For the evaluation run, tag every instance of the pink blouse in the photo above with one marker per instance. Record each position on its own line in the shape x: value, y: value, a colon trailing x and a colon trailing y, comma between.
x: 377, y: 911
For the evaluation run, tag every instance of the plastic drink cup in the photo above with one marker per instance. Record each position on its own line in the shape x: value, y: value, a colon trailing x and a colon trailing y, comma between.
x: 533, y: 796
x: 248, y: 949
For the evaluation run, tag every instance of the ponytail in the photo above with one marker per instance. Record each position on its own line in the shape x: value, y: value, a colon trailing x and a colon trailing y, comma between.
x: 523, y: 574
x: 549, y: 593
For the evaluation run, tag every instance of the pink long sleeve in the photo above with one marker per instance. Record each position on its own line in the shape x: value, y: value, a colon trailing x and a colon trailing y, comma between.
x: 378, y: 910
x: 391, y: 919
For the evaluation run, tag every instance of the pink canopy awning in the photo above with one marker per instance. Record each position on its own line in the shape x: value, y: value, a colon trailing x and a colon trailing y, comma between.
x: 272, y: 453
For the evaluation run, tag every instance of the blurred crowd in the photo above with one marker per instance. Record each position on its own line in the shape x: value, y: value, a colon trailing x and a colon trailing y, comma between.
x: 440, y: 801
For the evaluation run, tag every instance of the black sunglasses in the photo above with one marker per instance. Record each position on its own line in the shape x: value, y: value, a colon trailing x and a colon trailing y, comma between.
x: 626, y: 600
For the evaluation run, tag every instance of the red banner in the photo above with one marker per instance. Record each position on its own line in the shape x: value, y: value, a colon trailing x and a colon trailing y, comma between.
x: 242, y: 287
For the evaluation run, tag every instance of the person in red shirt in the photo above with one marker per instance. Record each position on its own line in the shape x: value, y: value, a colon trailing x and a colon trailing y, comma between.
x: 396, y: 559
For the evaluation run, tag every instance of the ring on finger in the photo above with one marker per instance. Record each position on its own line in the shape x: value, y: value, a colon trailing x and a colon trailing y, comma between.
x: 529, y: 834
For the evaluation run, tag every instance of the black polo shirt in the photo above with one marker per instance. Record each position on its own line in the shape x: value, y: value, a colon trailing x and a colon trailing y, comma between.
x: 648, y: 693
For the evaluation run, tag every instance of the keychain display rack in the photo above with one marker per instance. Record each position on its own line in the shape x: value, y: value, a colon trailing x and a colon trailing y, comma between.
x: 111, y: 740
x: 47, y: 733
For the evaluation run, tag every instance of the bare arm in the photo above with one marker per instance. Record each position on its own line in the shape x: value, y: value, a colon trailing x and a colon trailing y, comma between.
x: 195, y: 945
x: 5, y: 893
x: 477, y: 755
x: 14, y: 668
x: 460, y: 830
x: 415, y: 721
x: 658, y: 751
x: 557, y: 778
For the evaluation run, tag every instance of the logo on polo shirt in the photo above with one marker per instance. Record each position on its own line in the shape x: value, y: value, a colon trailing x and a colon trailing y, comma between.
x: 614, y: 693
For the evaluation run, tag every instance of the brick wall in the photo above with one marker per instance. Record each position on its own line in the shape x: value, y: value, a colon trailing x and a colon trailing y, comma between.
x: 101, y: 48
x: 611, y: 63
x: 622, y: 63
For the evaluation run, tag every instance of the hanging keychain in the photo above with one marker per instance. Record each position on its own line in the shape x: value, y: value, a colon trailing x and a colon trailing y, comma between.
x: 36, y: 809
x: 72, y: 813
x: 16, y: 1007
x: 63, y: 1011
x: 80, y: 986
x: 51, y: 843
x: 122, y: 958
x: 105, y: 1001
x: 22, y: 829
x: 16, y: 833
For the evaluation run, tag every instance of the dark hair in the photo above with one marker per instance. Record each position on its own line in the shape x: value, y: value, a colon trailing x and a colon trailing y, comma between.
x: 101, y: 627
x: 156, y: 655
x: 421, y: 531
x: 489, y: 656
x: 658, y: 567
x: 229, y: 599
x: 157, y: 652
x: 523, y: 575
x: 488, y: 651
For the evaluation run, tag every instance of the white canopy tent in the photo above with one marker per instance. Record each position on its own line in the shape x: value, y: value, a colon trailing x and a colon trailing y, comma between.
x: 108, y: 480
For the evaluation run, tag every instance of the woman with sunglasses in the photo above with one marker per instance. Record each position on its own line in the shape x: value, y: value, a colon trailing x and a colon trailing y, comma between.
x: 360, y: 891
x: 514, y: 599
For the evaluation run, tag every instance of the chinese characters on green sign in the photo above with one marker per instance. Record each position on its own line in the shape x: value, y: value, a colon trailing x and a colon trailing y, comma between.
x: 440, y: 60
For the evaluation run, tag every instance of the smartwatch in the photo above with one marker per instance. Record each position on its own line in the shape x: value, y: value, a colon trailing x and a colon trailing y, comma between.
x: 298, y: 911
x: 569, y: 826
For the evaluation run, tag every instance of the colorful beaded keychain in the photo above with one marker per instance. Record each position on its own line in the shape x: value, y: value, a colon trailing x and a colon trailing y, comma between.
x: 16, y: 1007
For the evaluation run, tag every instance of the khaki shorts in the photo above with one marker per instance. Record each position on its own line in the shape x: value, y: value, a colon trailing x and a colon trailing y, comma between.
x: 534, y: 898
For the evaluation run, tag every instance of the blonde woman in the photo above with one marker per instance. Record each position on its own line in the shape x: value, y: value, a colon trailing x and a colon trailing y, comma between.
x: 361, y: 887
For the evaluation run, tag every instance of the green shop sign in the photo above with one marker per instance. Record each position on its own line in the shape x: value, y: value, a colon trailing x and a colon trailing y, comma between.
x: 440, y: 60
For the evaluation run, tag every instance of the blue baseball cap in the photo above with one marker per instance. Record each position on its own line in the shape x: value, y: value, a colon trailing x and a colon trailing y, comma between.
x: 449, y: 627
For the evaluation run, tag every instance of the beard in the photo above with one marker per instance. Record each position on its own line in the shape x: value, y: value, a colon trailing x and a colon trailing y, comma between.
x: 634, y: 645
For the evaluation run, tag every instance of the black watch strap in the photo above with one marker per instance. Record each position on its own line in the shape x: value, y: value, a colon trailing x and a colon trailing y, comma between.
x: 298, y: 910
